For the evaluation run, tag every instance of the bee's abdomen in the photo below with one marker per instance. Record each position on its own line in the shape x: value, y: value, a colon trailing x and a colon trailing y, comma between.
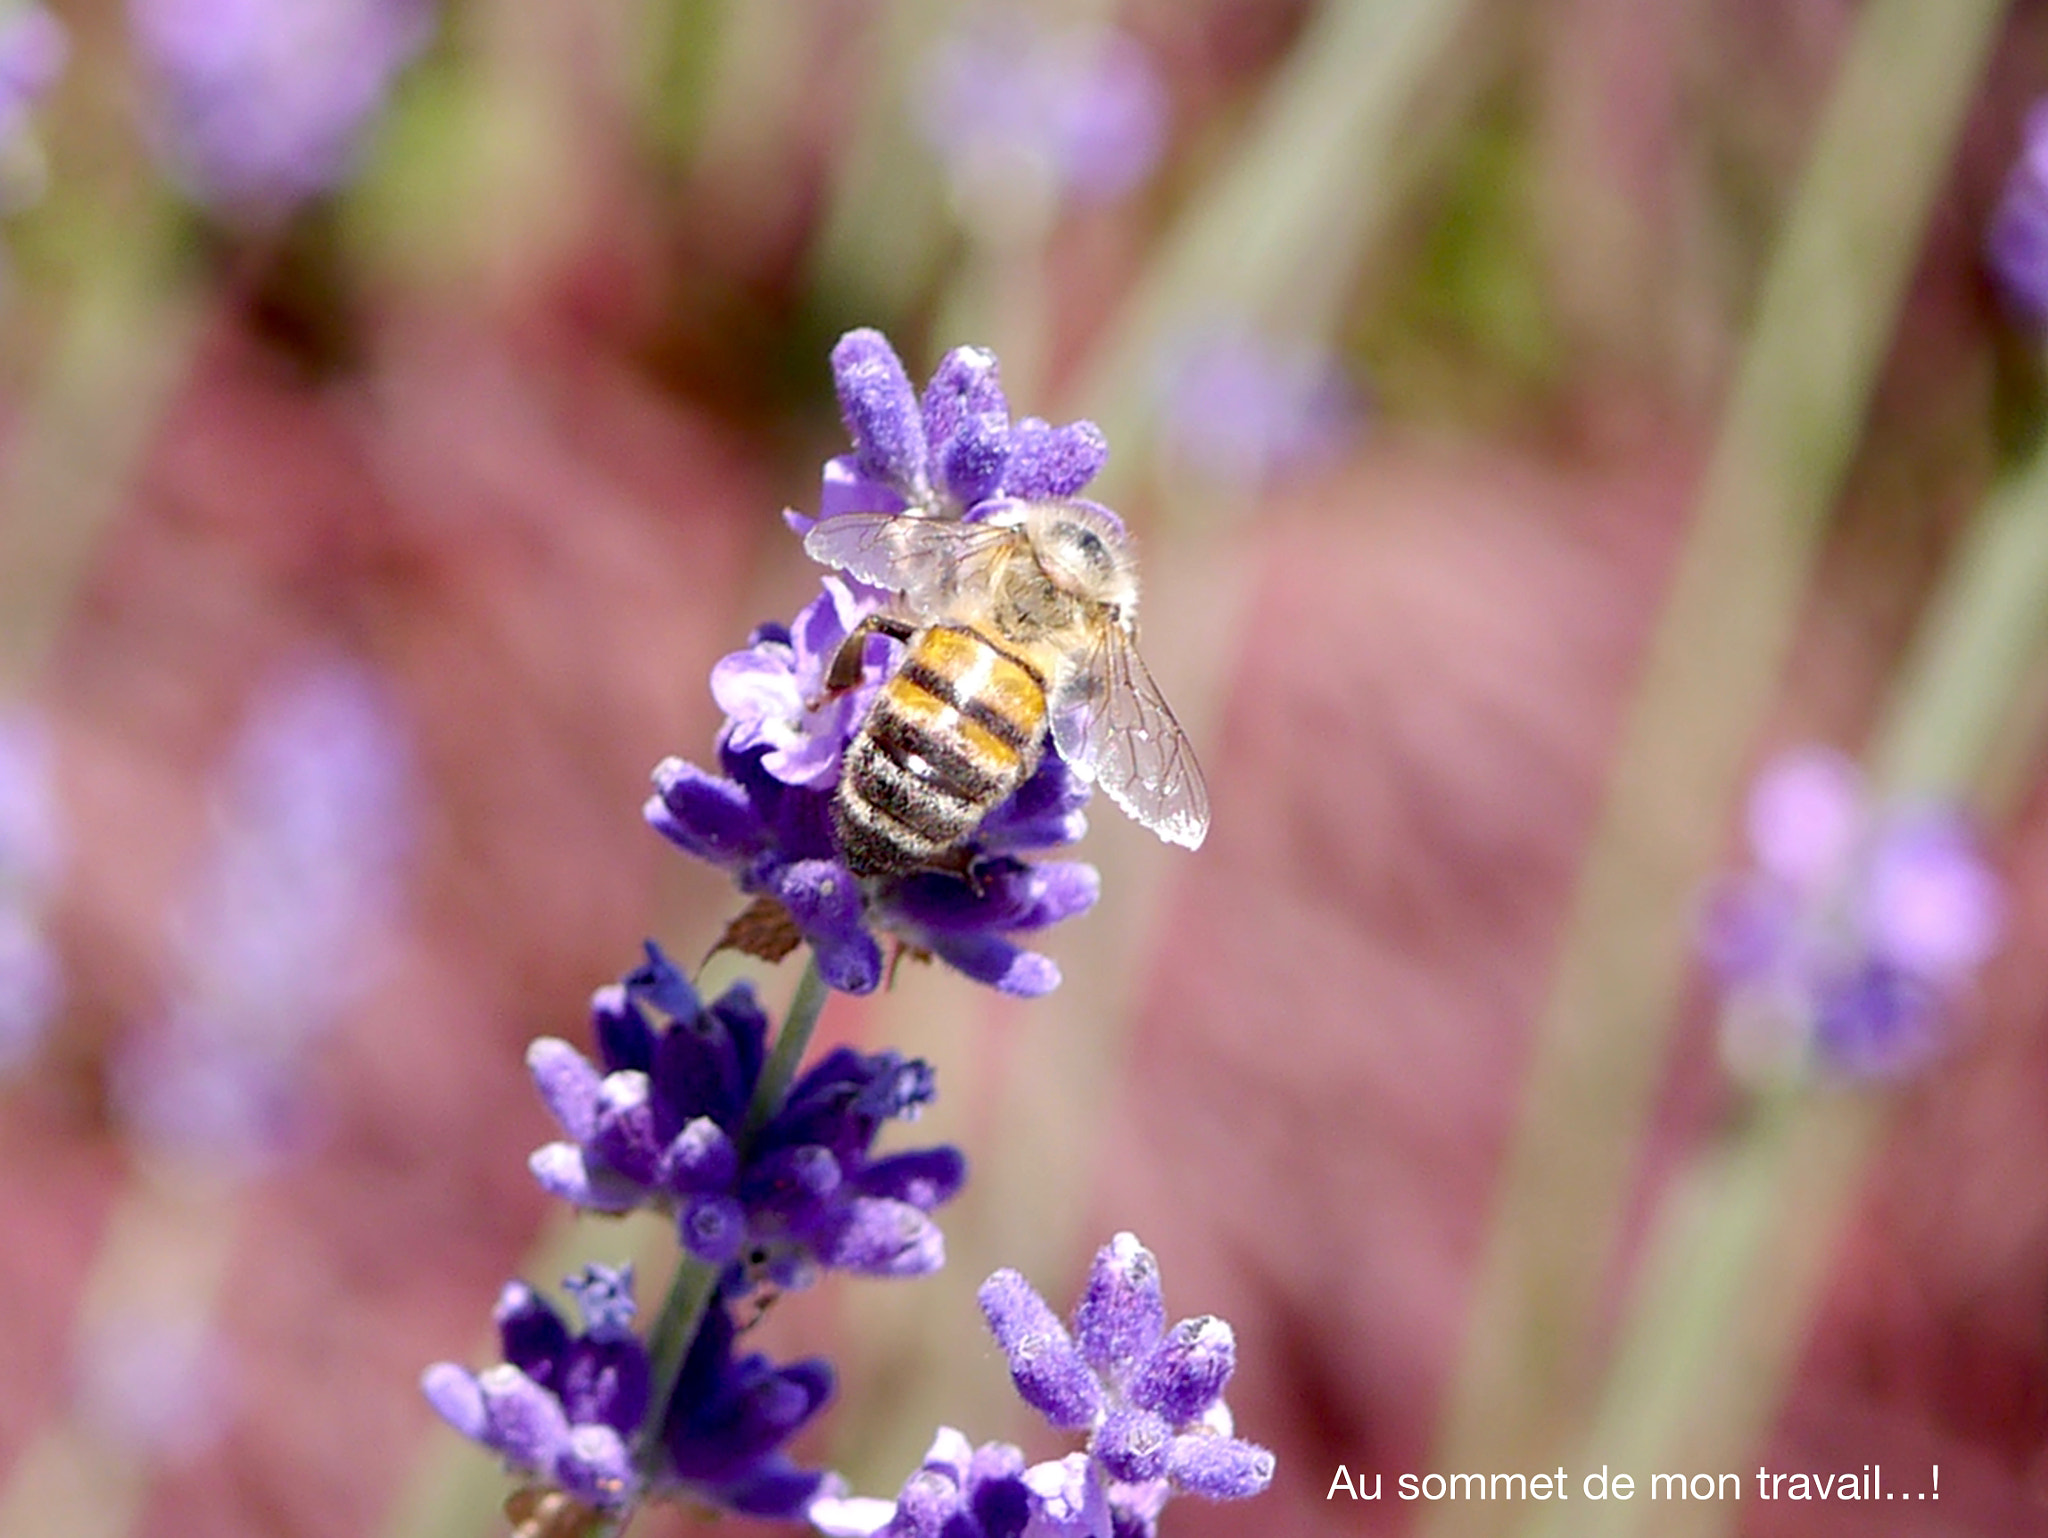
x: 951, y: 735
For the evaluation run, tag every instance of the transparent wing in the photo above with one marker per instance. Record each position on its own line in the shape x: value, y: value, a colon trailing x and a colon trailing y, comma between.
x: 1111, y: 724
x: 927, y: 560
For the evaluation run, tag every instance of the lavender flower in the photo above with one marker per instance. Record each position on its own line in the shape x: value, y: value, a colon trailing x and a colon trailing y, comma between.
x: 566, y: 1408
x: 161, y: 1383
x: 31, y: 859
x: 1018, y: 111
x: 1150, y: 1398
x: 949, y: 451
x: 768, y: 690
x: 2016, y: 244
x: 1246, y: 411
x: 33, y: 47
x: 962, y: 1491
x: 260, y: 104
x: 1859, y: 931
x: 767, y: 819
x: 664, y: 1126
x: 284, y: 928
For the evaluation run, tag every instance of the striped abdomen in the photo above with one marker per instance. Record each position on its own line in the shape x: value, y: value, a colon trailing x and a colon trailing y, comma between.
x: 959, y: 726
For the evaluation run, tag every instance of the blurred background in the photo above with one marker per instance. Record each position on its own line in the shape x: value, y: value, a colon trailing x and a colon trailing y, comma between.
x: 397, y: 401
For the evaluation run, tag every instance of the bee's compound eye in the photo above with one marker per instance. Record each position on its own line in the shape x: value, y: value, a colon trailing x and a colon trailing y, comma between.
x: 1089, y: 550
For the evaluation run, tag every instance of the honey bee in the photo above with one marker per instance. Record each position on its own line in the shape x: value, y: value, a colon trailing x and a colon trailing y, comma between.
x: 1021, y: 627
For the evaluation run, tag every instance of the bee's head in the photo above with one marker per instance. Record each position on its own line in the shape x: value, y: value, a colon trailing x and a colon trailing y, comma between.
x: 1084, y: 552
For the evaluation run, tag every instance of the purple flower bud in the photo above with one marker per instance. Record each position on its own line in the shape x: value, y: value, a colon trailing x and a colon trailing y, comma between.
x: 701, y: 1159
x: 523, y: 1421
x: 560, y: 1169
x: 569, y: 1087
x: 531, y: 1335
x: 967, y: 424
x: 1122, y: 1314
x: 1133, y: 1443
x: 605, y: 1381
x: 1048, y: 461
x: 713, y: 1228
x: 925, y: 1177
x: 1044, y: 1364
x: 624, y: 1034
x: 456, y: 1397
x: 876, y: 1237
x: 1220, y: 1468
x: 596, y: 1468
x: 881, y: 412
x: 625, y: 1137
x: 703, y: 815
x: 1187, y: 1372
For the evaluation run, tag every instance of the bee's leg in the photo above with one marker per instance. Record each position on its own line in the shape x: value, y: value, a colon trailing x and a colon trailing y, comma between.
x: 962, y: 862
x: 900, y: 949
x: 844, y: 674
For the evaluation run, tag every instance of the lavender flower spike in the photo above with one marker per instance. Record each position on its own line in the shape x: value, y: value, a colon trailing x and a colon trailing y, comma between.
x: 951, y: 450
x: 288, y: 922
x: 663, y: 1125
x: 1152, y: 1399
x: 1857, y: 935
x: 564, y: 1409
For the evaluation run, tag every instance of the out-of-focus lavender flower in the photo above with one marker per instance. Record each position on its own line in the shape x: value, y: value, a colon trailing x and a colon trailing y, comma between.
x: 1150, y: 1399
x: 2016, y: 244
x: 159, y: 1384
x: 663, y: 1125
x: 31, y: 859
x: 1019, y: 112
x: 259, y: 104
x: 565, y: 1409
x: 1858, y: 932
x: 947, y: 452
x: 33, y: 48
x: 285, y: 927
x: 1245, y: 410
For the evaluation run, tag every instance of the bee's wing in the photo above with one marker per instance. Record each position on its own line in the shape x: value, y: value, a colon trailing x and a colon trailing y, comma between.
x: 925, y: 559
x: 1110, y: 723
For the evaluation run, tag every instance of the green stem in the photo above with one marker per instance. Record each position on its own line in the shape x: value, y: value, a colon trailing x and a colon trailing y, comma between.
x: 1529, y: 1379
x: 696, y: 1282
x: 791, y: 1042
